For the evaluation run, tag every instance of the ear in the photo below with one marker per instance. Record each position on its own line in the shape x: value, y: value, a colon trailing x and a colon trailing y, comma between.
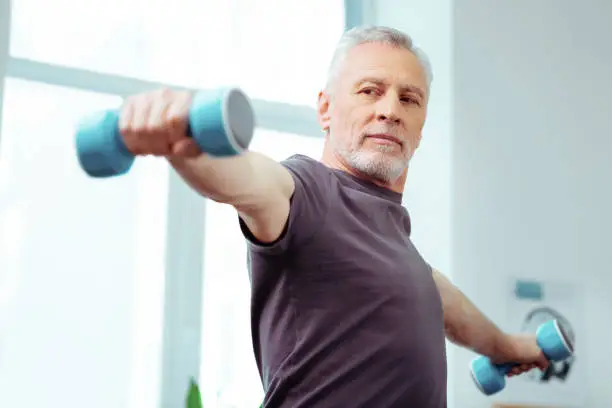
x: 323, y: 110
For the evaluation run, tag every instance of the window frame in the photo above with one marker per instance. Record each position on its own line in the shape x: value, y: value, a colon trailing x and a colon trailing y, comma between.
x: 5, y: 41
x: 184, y: 266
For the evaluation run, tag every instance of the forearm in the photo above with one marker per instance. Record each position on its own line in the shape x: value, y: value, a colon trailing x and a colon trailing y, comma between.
x: 244, y: 181
x: 258, y: 187
x: 464, y: 324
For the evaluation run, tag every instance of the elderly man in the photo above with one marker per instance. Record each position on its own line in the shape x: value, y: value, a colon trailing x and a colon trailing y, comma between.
x: 345, y: 311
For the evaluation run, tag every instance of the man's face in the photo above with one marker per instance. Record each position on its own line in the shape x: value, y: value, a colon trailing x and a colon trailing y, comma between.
x: 375, y: 110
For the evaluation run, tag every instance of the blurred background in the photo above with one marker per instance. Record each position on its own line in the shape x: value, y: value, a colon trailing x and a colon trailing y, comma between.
x: 114, y: 293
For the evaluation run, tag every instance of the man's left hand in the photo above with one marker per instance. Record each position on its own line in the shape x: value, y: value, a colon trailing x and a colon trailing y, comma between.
x: 523, y: 350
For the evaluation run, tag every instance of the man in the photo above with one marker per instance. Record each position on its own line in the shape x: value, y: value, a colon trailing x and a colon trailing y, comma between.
x: 345, y: 312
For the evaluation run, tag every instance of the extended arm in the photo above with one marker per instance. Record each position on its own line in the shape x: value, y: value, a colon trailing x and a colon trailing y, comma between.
x: 465, y: 325
x: 155, y: 123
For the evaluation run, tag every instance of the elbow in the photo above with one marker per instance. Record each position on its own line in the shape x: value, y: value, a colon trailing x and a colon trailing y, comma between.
x: 266, y: 224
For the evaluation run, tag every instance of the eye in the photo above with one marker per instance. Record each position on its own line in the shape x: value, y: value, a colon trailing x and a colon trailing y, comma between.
x: 369, y: 91
x: 411, y: 100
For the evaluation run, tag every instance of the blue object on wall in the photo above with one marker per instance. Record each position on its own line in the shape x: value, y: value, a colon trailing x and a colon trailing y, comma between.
x: 532, y: 290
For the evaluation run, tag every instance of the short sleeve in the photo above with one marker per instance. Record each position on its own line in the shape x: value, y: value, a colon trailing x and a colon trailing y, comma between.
x: 309, y: 205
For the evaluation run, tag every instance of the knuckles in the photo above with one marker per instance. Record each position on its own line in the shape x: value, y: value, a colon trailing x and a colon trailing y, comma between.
x: 152, y: 121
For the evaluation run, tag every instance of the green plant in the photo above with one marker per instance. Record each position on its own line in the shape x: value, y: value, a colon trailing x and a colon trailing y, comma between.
x: 194, y: 398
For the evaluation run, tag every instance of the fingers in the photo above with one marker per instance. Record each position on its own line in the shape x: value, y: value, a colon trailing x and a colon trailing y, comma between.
x: 126, y: 118
x: 542, y: 363
x: 516, y: 370
x: 186, y: 148
x: 156, y: 128
x: 523, y: 368
x: 177, y: 117
x: 152, y: 123
x: 132, y: 121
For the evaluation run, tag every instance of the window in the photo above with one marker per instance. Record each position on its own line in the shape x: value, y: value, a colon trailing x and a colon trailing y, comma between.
x: 81, y: 261
x: 273, y: 49
x: 229, y: 376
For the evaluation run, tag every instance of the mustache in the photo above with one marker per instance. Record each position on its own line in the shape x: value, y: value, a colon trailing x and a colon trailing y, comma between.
x: 390, y: 131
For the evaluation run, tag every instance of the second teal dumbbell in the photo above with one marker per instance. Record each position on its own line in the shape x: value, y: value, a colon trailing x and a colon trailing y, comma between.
x: 552, y: 340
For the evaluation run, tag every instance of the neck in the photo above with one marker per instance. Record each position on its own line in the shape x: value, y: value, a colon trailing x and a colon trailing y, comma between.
x: 334, y: 161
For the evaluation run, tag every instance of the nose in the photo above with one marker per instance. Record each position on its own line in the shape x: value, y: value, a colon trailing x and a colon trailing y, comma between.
x: 388, y: 110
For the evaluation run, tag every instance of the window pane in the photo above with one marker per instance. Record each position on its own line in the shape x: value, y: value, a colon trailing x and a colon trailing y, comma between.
x: 81, y: 262
x: 274, y: 49
x: 228, y: 373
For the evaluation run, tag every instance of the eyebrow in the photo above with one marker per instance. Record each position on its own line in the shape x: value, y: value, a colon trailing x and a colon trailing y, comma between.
x: 406, y: 88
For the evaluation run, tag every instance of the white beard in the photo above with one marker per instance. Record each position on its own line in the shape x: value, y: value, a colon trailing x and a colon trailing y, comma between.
x: 377, y: 165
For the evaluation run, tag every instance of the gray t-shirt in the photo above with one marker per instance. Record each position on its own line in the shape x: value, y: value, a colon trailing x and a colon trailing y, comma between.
x: 344, y: 311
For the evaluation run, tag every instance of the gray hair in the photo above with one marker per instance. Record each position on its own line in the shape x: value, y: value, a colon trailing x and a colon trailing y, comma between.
x: 379, y: 34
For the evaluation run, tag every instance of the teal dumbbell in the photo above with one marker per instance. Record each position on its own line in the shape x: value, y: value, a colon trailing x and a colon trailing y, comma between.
x: 221, y: 122
x: 551, y: 338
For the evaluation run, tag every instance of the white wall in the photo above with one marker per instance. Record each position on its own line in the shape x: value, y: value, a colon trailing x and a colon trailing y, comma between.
x: 531, y: 138
x: 529, y: 85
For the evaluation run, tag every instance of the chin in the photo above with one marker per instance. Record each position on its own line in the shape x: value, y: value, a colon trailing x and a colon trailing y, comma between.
x: 392, y: 158
x: 381, y: 166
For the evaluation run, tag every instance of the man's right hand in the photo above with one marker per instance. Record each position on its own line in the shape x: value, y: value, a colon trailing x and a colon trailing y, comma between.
x: 155, y: 123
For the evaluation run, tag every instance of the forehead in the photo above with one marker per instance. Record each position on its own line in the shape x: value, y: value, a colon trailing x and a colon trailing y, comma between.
x: 393, y: 65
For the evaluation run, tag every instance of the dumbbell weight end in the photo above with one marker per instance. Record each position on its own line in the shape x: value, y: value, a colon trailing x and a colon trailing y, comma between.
x: 100, y: 148
x: 489, y: 378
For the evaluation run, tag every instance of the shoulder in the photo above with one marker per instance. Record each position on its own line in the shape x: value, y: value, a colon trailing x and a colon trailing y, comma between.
x: 308, y: 205
x: 304, y: 165
x: 309, y: 175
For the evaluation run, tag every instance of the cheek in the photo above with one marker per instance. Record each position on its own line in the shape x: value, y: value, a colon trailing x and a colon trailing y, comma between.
x: 348, y: 122
x: 417, y: 119
x: 414, y: 126
x: 342, y: 122
x: 359, y: 119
